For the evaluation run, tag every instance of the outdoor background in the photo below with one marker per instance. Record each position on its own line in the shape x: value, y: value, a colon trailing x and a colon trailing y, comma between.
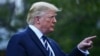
x: 77, y: 20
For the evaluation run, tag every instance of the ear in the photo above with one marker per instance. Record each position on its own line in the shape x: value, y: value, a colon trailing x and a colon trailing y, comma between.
x: 37, y: 19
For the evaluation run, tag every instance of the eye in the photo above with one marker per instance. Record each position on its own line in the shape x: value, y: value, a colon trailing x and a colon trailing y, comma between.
x: 51, y: 17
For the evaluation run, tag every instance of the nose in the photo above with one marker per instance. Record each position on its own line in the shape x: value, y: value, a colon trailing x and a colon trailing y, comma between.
x: 54, y: 20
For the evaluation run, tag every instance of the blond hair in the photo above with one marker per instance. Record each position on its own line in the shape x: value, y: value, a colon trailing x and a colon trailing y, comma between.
x: 38, y: 8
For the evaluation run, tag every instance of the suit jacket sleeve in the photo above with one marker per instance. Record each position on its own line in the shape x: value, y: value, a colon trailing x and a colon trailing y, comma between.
x: 74, y: 52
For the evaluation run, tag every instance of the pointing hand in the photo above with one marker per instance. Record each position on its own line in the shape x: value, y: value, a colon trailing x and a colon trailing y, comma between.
x: 86, y: 43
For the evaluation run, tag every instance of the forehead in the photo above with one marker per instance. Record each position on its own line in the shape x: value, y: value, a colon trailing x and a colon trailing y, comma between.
x: 50, y: 12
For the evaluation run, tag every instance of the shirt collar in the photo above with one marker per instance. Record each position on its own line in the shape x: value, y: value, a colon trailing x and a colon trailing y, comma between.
x: 38, y: 33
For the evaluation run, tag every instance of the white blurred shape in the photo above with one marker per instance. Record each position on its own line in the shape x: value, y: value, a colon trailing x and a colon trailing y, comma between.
x: 77, y: 2
x: 19, y: 7
x: 3, y: 36
x: 2, y: 2
x: 98, y: 24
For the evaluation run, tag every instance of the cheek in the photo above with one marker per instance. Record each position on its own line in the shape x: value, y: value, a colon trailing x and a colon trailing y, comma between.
x: 49, y: 23
x: 47, y: 26
x: 46, y: 23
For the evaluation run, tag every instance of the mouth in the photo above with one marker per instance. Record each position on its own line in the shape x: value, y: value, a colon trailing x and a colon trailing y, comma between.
x: 52, y: 25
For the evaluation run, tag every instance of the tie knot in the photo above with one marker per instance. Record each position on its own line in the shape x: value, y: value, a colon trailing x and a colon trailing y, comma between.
x: 44, y: 37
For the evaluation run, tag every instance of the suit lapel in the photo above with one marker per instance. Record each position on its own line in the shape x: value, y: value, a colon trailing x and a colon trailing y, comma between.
x: 53, y: 47
x: 37, y: 41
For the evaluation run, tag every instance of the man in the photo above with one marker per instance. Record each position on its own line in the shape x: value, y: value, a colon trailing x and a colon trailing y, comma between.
x: 33, y: 40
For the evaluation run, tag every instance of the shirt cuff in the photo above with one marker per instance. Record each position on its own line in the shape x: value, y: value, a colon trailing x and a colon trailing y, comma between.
x: 84, y: 52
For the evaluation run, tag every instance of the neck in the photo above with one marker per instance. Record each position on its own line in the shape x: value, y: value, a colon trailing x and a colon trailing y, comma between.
x: 39, y: 28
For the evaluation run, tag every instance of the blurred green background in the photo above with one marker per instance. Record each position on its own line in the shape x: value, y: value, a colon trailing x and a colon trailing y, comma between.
x: 77, y: 20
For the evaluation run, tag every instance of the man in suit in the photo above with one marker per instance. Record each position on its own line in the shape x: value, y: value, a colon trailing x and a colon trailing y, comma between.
x: 33, y: 40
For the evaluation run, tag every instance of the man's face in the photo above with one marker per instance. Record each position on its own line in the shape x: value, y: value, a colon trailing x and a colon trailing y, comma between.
x: 47, y: 21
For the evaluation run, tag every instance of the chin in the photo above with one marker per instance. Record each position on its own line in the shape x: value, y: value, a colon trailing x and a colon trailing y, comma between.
x: 51, y: 30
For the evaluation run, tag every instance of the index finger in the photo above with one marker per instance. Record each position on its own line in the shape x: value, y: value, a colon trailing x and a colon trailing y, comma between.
x: 91, y: 38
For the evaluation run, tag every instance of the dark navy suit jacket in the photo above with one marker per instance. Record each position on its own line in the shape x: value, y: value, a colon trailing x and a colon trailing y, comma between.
x: 26, y: 43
